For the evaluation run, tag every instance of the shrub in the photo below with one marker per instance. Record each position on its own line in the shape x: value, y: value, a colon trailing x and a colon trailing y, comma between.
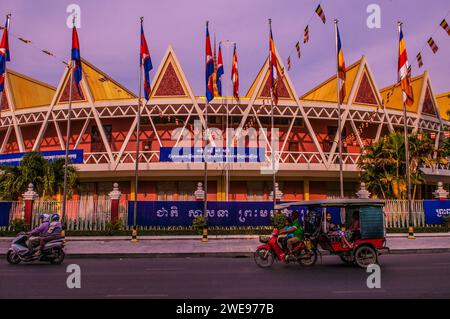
x: 18, y: 225
x: 115, y: 227
x: 199, y: 222
x: 278, y: 220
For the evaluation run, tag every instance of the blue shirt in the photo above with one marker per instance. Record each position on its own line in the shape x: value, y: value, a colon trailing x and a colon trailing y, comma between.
x: 291, y: 234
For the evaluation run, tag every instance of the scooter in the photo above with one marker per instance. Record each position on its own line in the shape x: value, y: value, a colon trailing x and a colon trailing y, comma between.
x: 305, y: 253
x: 53, y: 251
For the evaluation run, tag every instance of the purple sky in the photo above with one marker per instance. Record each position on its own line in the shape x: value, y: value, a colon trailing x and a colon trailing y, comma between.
x: 109, y: 36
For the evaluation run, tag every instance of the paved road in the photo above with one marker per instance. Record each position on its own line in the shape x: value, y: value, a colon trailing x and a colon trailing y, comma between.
x: 404, y: 276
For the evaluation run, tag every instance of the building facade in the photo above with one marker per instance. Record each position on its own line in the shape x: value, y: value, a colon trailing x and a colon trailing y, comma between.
x: 34, y: 117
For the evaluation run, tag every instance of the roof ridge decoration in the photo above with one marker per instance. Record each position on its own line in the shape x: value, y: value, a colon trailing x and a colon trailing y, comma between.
x: 326, y: 91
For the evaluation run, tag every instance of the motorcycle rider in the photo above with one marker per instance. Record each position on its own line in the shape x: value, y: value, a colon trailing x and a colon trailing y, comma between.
x: 53, y: 232
x: 298, y: 232
x: 35, y: 234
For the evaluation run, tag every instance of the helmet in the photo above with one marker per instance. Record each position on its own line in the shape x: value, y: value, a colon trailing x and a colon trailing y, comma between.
x: 45, y: 217
x: 55, y: 217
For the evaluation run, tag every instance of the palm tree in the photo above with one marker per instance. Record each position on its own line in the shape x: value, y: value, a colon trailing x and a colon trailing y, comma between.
x: 383, y: 164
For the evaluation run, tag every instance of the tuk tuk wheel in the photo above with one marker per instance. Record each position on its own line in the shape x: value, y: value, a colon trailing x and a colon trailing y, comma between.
x: 365, y: 256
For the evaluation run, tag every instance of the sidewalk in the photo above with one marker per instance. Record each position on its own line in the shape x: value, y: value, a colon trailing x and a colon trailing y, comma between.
x: 217, y: 246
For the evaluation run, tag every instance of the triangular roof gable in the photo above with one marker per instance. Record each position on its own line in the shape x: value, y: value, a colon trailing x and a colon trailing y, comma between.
x: 366, y: 92
x: 327, y: 90
x: 170, y: 80
x: 103, y: 86
x: 284, y: 90
x: 26, y: 92
x: 392, y: 95
x: 443, y: 101
x: 429, y: 107
x: 5, y: 103
x: 78, y: 96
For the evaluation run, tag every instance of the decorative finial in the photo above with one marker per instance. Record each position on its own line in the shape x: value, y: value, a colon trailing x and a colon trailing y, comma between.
x: 142, y: 19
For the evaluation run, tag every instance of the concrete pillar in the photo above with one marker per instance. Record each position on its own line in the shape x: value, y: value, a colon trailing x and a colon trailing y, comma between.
x: 29, y: 197
x: 115, y: 197
x: 440, y: 193
x: 306, y: 189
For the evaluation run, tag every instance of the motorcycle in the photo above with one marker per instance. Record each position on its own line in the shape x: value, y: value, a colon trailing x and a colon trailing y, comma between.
x: 53, y: 251
x: 305, y: 253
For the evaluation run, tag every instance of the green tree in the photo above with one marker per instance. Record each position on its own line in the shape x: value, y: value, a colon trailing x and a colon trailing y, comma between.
x: 47, y: 177
x: 383, y: 164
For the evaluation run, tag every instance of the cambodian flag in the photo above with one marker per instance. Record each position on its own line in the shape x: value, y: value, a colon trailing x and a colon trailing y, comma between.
x: 4, y: 54
x: 76, y: 58
x: 219, y: 72
x: 146, y: 63
x: 209, y: 68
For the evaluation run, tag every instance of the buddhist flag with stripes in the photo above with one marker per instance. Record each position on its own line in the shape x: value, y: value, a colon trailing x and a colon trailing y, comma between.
x: 445, y: 26
x: 341, y: 66
x: 4, y: 54
x: 321, y: 14
x: 235, y: 74
x: 297, y: 47
x: 403, y: 66
x: 419, y: 60
x: 433, y: 45
x: 306, y: 35
x: 274, y: 69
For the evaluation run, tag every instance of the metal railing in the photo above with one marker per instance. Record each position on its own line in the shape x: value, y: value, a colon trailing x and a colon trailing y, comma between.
x: 397, y: 216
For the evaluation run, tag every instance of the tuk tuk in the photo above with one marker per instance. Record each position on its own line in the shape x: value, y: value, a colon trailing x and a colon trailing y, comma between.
x: 362, y: 224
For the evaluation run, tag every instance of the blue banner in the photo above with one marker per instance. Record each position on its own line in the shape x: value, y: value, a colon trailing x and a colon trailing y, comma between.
x: 5, y: 209
x: 435, y: 211
x: 213, y: 154
x: 14, y: 159
x: 182, y: 213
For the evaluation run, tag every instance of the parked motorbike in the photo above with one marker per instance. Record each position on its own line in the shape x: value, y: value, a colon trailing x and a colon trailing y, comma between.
x: 53, y: 251
x: 305, y: 253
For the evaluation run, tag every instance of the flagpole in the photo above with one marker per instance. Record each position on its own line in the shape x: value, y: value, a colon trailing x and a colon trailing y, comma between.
x: 341, y: 173
x: 66, y: 157
x: 272, y: 126
x: 8, y: 22
x: 408, y: 177
x: 205, y: 159
x: 136, y: 163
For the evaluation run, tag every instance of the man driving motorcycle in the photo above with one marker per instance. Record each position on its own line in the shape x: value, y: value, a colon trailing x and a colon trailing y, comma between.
x: 53, y: 232
x: 35, y: 234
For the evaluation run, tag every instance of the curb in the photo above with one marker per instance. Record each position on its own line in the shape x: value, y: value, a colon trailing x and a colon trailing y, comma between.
x: 222, y: 254
x: 211, y: 237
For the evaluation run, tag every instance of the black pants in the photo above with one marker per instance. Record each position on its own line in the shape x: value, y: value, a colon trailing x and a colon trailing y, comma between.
x: 47, y: 239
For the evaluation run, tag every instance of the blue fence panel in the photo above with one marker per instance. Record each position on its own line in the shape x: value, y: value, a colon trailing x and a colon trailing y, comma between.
x: 181, y: 213
x: 5, y: 209
x: 435, y: 211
